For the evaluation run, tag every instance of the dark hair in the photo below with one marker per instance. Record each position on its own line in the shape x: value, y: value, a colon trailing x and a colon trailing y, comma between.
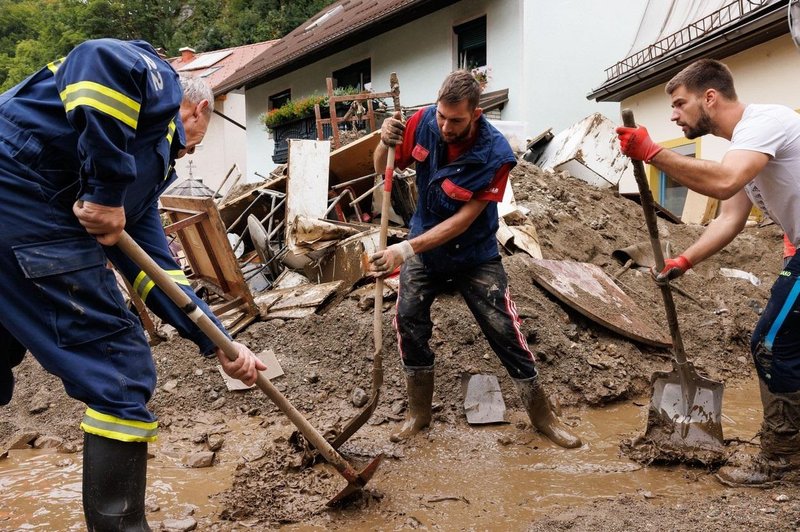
x: 703, y: 75
x: 460, y: 85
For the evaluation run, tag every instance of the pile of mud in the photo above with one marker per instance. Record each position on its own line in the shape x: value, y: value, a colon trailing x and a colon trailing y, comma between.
x: 327, y: 356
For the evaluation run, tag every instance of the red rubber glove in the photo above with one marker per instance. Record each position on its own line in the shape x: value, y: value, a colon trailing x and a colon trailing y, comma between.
x: 674, y: 268
x: 636, y: 143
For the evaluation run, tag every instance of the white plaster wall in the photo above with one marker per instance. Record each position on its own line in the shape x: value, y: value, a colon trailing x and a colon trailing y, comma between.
x: 569, y: 44
x: 223, y: 145
x: 768, y: 73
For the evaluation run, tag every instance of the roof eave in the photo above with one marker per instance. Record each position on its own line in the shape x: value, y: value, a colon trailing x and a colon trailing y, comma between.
x: 327, y: 48
x: 737, y: 38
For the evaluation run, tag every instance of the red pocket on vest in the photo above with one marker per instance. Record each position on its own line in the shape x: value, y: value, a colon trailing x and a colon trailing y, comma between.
x: 419, y: 153
x: 456, y: 192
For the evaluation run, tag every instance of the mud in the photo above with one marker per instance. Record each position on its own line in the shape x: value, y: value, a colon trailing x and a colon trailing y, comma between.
x: 326, y: 357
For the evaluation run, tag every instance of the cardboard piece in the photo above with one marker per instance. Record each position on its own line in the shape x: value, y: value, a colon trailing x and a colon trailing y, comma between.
x: 295, y: 302
x: 483, y: 401
x: 273, y: 371
x: 521, y: 237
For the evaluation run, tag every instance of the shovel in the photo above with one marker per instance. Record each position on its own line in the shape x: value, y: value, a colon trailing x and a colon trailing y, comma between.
x: 686, y: 408
x: 355, y: 480
x: 377, y: 323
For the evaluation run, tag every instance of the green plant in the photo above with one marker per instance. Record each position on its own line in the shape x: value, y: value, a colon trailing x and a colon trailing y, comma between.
x: 293, y: 110
x: 302, y: 108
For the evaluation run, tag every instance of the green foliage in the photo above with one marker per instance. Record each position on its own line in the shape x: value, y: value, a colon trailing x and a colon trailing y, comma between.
x: 293, y: 110
x: 35, y: 32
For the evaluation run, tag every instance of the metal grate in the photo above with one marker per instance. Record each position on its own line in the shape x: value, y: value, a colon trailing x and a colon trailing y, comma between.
x: 714, y: 21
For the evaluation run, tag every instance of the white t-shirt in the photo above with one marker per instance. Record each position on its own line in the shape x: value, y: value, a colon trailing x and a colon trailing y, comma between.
x: 774, y: 130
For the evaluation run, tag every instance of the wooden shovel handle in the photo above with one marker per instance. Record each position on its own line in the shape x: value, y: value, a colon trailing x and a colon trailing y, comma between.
x: 221, y: 340
x: 648, y: 206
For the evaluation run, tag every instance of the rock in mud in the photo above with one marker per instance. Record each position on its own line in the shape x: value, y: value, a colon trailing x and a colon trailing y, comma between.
x: 179, y: 525
x: 201, y: 459
x: 359, y: 397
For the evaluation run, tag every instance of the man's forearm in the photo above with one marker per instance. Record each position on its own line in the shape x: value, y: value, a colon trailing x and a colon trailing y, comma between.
x: 379, y: 157
x: 722, y: 230
x: 706, y: 177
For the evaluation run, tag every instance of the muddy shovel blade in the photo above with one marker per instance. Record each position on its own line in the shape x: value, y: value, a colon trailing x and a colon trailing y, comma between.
x: 357, y: 484
x: 686, y: 410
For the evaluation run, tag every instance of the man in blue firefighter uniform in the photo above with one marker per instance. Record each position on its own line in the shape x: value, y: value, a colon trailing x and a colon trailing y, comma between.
x: 462, y: 165
x: 87, y: 145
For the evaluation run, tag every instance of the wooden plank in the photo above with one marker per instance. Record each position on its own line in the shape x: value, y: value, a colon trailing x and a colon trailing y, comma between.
x: 587, y: 289
x: 207, y: 249
x: 694, y: 208
x: 191, y: 220
x: 355, y: 160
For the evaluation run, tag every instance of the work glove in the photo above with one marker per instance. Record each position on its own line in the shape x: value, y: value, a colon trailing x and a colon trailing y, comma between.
x: 636, y: 143
x: 388, y: 260
x: 392, y: 130
x: 246, y: 366
x: 673, y: 268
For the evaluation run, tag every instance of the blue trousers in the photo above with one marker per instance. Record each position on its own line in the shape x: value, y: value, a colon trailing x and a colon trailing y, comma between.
x: 484, y: 288
x: 775, y: 344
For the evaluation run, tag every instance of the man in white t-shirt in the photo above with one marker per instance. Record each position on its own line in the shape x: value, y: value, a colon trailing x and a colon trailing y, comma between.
x: 761, y: 167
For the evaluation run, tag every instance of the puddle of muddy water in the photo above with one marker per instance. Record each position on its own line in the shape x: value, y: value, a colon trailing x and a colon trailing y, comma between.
x: 503, y: 477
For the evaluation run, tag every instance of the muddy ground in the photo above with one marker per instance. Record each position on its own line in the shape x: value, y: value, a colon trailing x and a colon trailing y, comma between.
x: 327, y: 356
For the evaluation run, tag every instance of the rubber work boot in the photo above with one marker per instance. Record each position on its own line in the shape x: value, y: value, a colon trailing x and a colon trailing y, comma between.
x: 541, y: 413
x: 779, y: 459
x: 114, y: 481
x: 419, y: 385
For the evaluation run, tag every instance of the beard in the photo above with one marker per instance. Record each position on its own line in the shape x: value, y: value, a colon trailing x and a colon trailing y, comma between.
x: 459, y: 137
x: 702, y: 127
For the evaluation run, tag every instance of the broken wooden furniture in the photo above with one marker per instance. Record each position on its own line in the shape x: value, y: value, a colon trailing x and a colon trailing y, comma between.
x: 334, y: 121
x: 203, y: 236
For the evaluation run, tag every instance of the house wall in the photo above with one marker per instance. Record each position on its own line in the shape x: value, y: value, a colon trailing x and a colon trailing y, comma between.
x: 767, y: 73
x: 548, y: 54
x: 224, y: 145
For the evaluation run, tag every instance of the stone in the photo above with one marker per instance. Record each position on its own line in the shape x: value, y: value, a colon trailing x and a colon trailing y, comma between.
x: 359, y: 397
x: 48, y: 442
x: 179, y: 525
x: 22, y: 440
x: 215, y: 442
x: 200, y: 459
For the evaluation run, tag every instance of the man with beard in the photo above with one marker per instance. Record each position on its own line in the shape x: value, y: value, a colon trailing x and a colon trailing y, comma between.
x: 761, y: 167
x: 462, y: 164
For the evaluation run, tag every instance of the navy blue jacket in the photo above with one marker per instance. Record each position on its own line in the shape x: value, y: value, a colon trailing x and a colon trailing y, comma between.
x: 444, y: 187
x: 103, y: 125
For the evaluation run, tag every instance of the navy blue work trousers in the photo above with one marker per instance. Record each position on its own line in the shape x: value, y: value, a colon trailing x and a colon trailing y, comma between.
x: 484, y: 288
x: 775, y: 344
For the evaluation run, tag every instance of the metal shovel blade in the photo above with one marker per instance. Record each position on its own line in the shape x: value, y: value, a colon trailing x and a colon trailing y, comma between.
x: 685, y: 410
x: 358, y: 483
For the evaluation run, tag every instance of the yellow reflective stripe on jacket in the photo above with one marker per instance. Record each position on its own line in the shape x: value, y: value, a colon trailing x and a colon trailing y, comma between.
x: 178, y: 276
x: 53, y: 67
x: 102, y: 98
x: 143, y: 284
x: 171, y: 131
x: 116, y: 428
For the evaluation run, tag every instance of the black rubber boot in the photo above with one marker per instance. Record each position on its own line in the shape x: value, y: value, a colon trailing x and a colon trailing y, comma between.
x: 541, y: 413
x: 779, y: 459
x: 419, y: 385
x: 114, y: 481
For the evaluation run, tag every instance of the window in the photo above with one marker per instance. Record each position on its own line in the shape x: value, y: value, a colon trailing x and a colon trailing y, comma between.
x: 277, y: 100
x: 471, y: 38
x: 671, y: 194
x: 357, y: 75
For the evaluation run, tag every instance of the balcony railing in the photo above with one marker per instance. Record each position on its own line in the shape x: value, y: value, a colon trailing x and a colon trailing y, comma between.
x: 712, y: 22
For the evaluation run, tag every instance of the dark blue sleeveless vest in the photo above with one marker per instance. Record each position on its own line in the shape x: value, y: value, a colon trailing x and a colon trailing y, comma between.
x: 444, y: 188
